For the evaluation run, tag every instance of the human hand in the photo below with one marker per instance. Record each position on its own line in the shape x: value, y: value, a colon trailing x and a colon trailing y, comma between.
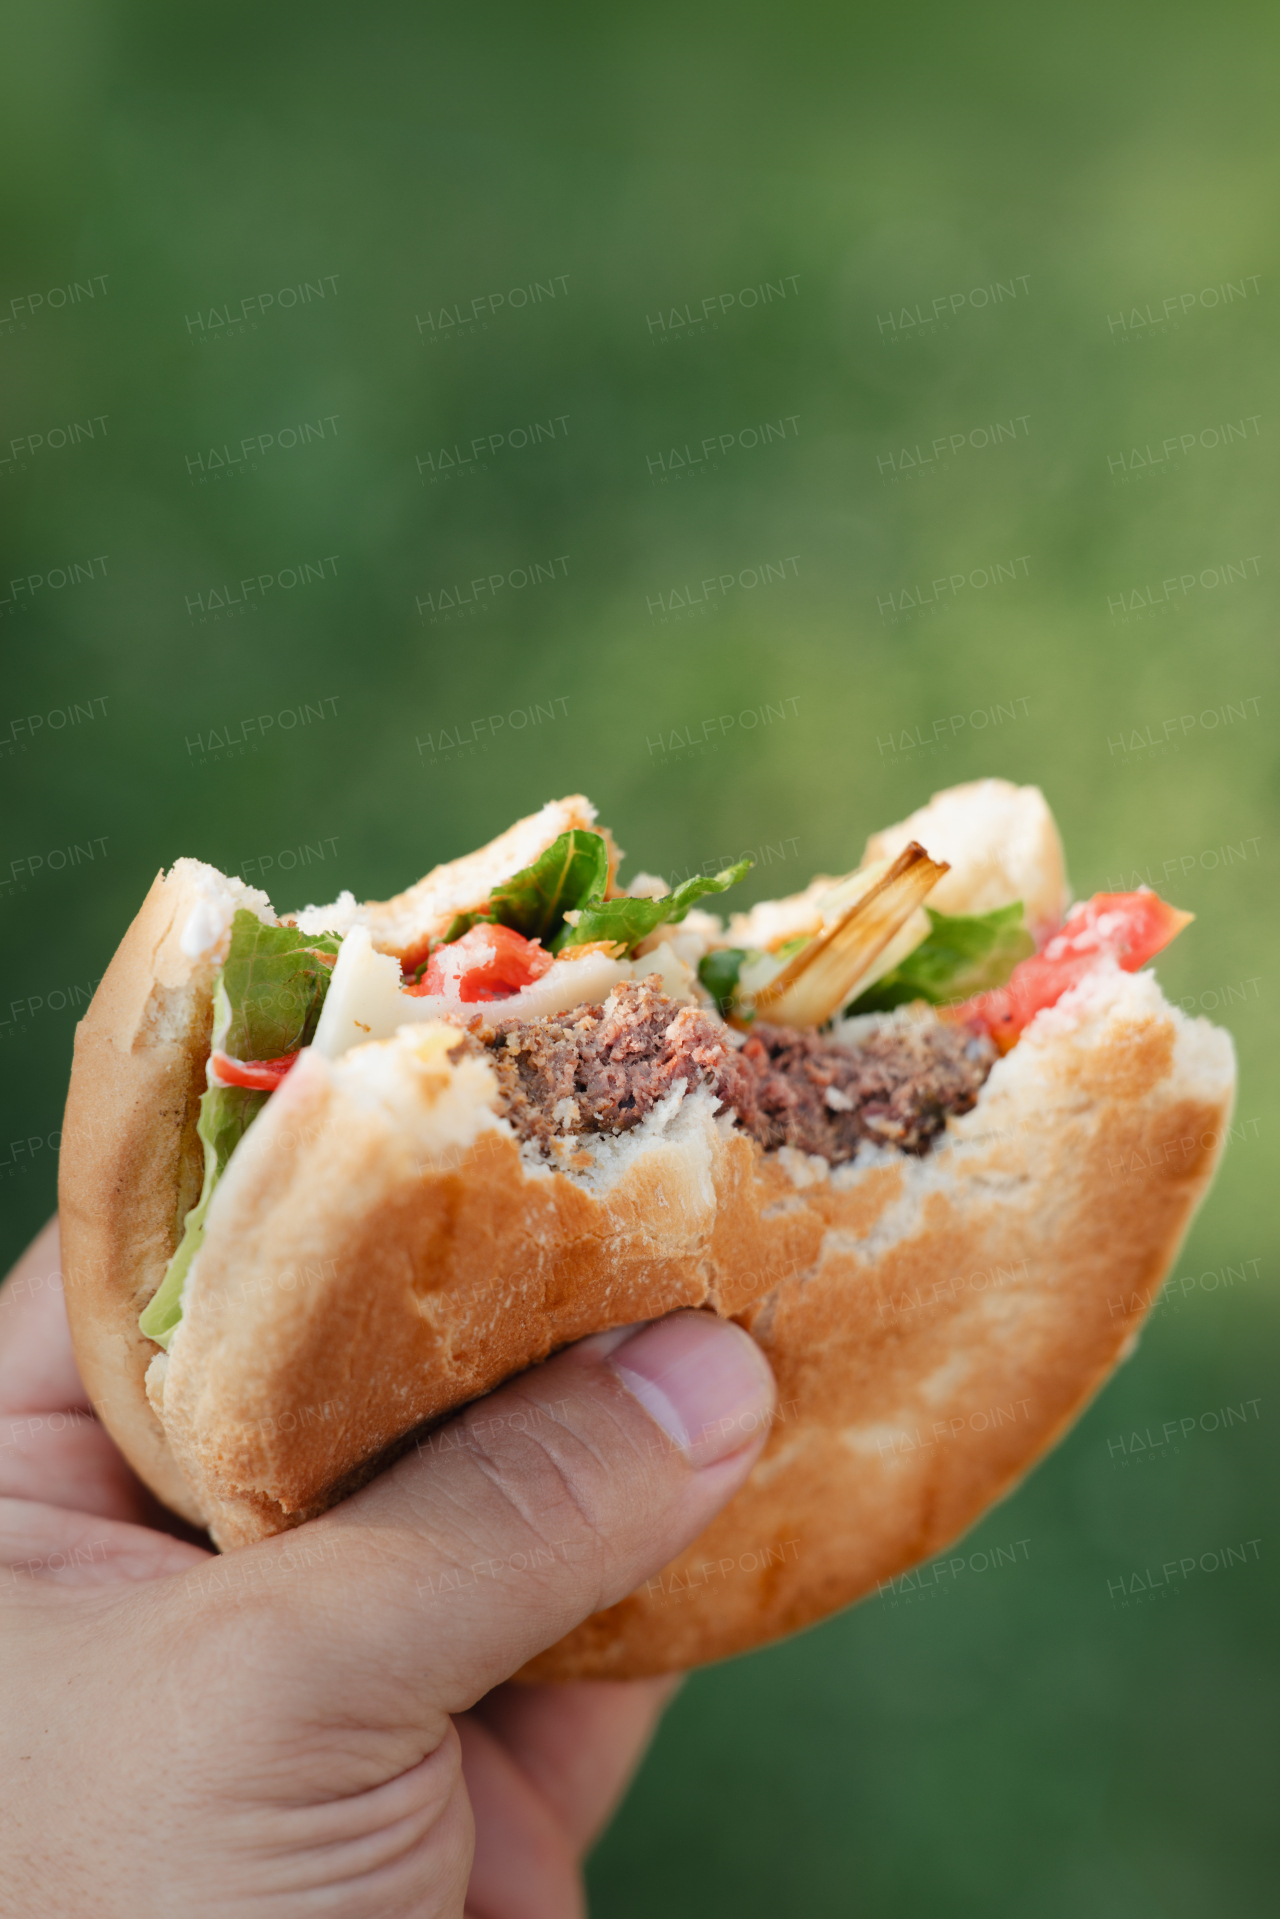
x: 318, y: 1724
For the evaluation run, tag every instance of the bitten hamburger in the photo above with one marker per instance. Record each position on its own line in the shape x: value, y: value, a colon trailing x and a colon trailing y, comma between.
x: 328, y: 1176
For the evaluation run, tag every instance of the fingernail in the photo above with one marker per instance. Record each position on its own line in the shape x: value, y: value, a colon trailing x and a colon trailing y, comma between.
x: 600, y: 1345
x: 703, y: 1380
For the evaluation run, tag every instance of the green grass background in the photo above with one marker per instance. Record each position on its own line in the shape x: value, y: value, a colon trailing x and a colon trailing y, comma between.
x: 1021, y: 1746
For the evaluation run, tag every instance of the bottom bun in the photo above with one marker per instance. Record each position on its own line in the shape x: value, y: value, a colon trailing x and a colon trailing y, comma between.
x: 946, y: 1321
x: 381, y: 1251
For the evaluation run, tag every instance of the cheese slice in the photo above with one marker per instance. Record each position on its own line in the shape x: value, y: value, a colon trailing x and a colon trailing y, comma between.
x: 366, y: 1000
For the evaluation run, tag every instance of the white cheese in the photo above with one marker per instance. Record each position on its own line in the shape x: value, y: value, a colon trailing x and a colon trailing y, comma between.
x: 571, y: 982
x: 365, y: 1000
x: 755, y: 974
x: 677, y: 974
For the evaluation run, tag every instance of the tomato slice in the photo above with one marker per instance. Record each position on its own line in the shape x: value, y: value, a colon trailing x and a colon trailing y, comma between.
x: 1130, y: 928
x: 260, y: 1075
x: 489, y: 962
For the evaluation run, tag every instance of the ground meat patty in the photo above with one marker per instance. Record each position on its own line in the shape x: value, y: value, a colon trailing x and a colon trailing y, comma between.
x: 897, y: 1086
x: 601, y: 1069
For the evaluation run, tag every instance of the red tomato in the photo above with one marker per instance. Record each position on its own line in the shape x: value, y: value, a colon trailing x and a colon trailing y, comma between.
x: 260, y: 1075
x: 489, y: 962
x: 1130, y: 928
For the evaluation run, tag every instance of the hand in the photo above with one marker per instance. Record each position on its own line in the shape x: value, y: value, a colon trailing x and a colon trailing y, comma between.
x: 318, y: 1724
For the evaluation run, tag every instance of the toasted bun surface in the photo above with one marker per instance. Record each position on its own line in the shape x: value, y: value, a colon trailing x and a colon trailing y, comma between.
x: 131, y: 1164
x: 380, y: 1250
x: 943, y: 1322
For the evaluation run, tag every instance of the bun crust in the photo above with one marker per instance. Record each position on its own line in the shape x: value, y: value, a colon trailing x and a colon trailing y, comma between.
x: 946, y: 1321
x: 381, y: 1251
x: 131, y: 1164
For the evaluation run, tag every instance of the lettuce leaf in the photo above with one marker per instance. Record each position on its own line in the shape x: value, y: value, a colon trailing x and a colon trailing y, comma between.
x: 570, y: 877
x: 721, y: 970
x: 960, y: 956
x: 718, y: 970
x: 266, y: 1003
x: 271, y: 989
x: 629, y: 921
x: 226, y: 1113
x: 534, y: 901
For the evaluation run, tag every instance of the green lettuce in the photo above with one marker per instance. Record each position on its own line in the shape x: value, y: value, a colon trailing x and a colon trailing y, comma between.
x: 629, y: 921
x: 271, y: 989
x: 226, y: 1113
x: 570, y: 877
x: 266, y: 1002
x: 718, y: 970
x: 960, y: 956
x: 534, y: 901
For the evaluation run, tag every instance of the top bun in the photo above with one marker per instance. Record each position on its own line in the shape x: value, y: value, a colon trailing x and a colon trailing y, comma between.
x: 423, y: 912
x: 1001, y: 844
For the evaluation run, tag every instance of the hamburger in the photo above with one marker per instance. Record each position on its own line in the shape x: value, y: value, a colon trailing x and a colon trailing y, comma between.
x: 926, y: 1130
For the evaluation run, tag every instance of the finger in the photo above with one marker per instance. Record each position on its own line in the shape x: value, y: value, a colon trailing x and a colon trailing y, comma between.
x: 43, y: 1546
x: 37, y: 1366
x: 52, y: 1446
x: 554, y: 1497
x: 68, y: 1459
x: 524, y: 1863
x: 578, y: 1744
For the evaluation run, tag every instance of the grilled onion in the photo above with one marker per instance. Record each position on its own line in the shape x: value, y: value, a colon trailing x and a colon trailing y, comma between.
x: 823, y: 976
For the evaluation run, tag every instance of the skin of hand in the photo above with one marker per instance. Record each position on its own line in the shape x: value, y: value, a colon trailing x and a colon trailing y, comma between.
x: 318, y: 1724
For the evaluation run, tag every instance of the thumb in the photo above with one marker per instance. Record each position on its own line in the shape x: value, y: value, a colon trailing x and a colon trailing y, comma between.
x: 553, y: 1497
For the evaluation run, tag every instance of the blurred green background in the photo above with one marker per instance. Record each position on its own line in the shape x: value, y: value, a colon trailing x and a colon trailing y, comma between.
x: 1044, y: 241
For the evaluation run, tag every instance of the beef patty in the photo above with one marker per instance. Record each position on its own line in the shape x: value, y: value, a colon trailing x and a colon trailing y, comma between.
x: 601, y: 1069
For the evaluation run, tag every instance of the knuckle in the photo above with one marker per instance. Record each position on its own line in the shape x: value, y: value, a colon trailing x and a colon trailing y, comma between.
x: 550, y: 1478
